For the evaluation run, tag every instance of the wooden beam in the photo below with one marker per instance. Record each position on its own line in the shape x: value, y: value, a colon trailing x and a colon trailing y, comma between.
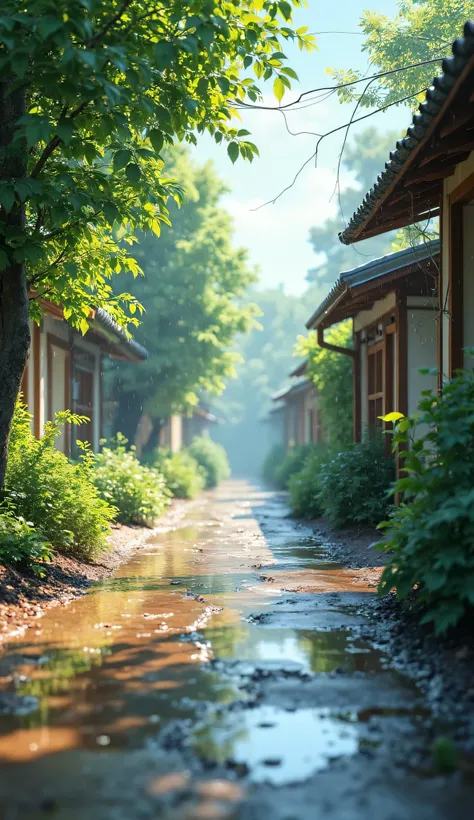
x: 455, y: 289
x: 457, y: 143
x: 402, y: 350
x: 356, y: 386
x: 458, y: 120
x: 430, y: 176
x: 36, y: 380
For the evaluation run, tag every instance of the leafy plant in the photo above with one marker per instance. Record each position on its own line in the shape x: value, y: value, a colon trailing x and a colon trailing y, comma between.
x: 354, y: 484
x: 21, y: 543
x: 139, y: 493
x: 331, y: 374
x: 183, y: 475
x: 272, y: 462
x: 58, y: 497
x: 292, y: 463
x: 430, y: 535
x: 212, y: 458
x: 304, y: 486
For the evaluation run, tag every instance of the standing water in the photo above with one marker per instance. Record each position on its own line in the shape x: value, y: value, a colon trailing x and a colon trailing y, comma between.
x: 219, y: 673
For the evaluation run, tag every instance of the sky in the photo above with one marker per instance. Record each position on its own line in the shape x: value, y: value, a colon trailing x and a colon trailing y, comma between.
x: 277, y: 235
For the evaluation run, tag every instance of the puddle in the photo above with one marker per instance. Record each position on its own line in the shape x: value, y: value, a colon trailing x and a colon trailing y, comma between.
x: 133, y: 654
x: 276, y: 746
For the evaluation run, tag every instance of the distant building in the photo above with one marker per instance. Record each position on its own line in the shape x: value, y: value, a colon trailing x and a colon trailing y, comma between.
x: 65, y: 372
x: 296, y: 412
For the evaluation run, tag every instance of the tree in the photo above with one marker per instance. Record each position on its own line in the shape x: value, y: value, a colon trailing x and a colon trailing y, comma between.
x: 192, y: 288
x: 331, y: 374
x: 90, y: 91
x: 363, y: 157
x: 423, y: 30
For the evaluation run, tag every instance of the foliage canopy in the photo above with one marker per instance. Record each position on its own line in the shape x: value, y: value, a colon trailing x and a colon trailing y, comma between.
x: 98, y: 88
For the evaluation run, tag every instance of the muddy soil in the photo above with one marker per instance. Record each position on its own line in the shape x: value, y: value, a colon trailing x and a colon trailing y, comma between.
x: 224, y: 671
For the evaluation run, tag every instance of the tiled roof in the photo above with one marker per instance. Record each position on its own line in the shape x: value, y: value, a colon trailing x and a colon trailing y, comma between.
x: 436, y: 96
x: 117, y: 336
x: 374, y: 270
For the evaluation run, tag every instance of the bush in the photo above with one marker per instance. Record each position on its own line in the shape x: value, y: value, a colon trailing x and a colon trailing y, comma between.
x: 292, y: 463
x: 20, y: 543
x: 272, y: 461
x: 304, y: 486
x: 58, y: 497
x: 354, y: 484
x: 212, y: 458
x: 183, y: 475
x: 139, y: 493
x: 431, y: 533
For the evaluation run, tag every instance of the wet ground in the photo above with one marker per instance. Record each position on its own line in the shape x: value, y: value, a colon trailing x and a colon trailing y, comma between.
x: 220, y: 673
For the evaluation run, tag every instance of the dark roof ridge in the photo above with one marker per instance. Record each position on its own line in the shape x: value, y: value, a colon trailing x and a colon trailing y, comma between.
x: 380, y: 267
x: 436, y: 95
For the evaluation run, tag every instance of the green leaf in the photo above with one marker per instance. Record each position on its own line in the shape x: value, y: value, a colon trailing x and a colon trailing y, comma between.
x: 7, y: 196
x: 393, y: 416
x: 191, y: 106
x: 157, y: 139
x: 133, y: 173
x: 110, y: 212
x: 65, y: 130
x: 278, y: 88
x: 121, y: 159
x: 233, y: 151
x: 285, y: 9
x: 4, y: 260
x: 165, y: 53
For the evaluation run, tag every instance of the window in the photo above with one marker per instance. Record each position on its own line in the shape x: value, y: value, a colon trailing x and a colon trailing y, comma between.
x: 376, y: 381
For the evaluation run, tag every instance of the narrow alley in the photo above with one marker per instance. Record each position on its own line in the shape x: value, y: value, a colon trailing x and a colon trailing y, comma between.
x: 221, y: 673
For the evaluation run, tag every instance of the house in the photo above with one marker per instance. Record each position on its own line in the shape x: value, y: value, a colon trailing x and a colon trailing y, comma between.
x: 301, y: 418
x: 431, y: 174
x: 392, y: 302
x: 65, y: 372
x: 178, y: 431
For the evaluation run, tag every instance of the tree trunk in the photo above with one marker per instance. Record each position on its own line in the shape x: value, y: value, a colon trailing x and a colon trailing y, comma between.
x: 14, y: 304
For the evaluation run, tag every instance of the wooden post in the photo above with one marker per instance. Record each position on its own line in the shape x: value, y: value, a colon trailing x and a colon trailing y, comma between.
x: 402, y: 359
x: 455, y: 289
x: 356, y: 386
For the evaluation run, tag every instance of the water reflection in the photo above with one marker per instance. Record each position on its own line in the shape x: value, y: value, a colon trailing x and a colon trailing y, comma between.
x: 120, y: 663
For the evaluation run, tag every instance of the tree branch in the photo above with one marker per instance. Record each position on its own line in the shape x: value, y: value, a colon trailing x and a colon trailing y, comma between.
x: 123, y: 8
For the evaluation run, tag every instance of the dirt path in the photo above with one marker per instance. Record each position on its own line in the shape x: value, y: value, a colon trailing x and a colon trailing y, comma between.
x: 221, y: 673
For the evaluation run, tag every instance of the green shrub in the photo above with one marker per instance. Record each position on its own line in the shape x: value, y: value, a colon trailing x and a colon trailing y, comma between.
x: 354, y: 484
x: 58, y: 497
x: 21, y: 543
x: 431, y: 533
x: 139, y: 493
x: 212, y: 458
x: 304, y: 486
x: 272, y: 461
x: 292, y: 463
x: 183, y: 475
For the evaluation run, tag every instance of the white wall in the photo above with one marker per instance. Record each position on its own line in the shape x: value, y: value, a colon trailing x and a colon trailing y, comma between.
x: 368, y: 317
x: 422, y: 352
